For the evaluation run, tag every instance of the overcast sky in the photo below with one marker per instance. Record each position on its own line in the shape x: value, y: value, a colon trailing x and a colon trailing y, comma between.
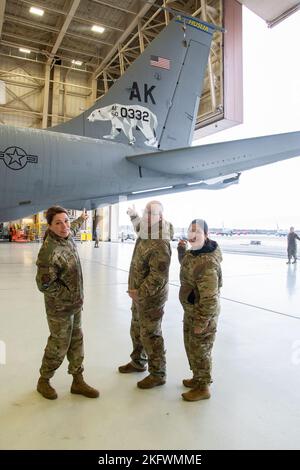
x: 266, y: 197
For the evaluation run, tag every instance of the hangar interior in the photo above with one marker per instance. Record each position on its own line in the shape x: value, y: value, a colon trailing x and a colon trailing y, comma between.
x: 55, y: 65
x: 59, y: 57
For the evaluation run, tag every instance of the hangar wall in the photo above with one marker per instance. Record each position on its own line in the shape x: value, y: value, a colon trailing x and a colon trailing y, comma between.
x: 70, y: 92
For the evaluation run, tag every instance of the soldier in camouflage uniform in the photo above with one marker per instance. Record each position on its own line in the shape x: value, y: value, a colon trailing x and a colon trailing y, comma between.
x: 148, y: 288
x: 200, y: 279
x: 59, y: 277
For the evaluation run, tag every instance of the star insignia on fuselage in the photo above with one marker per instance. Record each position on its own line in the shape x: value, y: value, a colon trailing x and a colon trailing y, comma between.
x: 15, y: 158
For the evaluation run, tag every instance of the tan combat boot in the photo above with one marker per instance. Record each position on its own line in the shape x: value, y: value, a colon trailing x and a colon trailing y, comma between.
x: 189, y: 383
x: 151, y: 381
x: 199, y: 393
x: 81, y: 388
x: 45, y: 389
x: 129, y: 368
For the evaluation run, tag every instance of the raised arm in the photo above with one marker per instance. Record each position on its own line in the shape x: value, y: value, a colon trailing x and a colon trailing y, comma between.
x: 76, y: 224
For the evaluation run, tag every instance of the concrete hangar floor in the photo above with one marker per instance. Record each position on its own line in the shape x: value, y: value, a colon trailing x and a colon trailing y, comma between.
x: 255, y: 394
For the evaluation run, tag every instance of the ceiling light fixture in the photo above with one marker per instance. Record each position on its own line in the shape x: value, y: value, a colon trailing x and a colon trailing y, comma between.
x: 36, y: 11
x: 98, y: 29
x: 23, y: 49
x: 76, y: 62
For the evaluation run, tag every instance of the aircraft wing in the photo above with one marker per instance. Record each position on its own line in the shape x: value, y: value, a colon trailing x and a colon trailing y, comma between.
x: 220, y: 159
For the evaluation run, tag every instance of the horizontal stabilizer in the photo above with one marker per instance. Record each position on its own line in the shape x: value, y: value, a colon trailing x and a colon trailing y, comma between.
x: 212, y: 160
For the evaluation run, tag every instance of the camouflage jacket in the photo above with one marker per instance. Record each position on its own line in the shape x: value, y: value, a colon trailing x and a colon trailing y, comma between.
x: 59, y: 274
x: 200, y: 280
x: 149, y: 272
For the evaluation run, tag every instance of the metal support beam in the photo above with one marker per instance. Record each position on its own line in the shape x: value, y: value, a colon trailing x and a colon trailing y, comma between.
x: 100, y: 23
x: 22, y: 97
x: 31, y: 24
x: 121, y: 60
x: 4, y: 73
x: 22, y: 59
x: 30, y: 113
x: 17, y: 45
x: 167, y: 14
x: 62, y: 12
x: 36, y: 41
x: 93, y: 95
x: 2, y: 10
x: 19, y: 98
x: 46, y: 97
x: 17, y: 111
x: 55, y: 95
x: 16, y: 83
x: 63, y: 29
x: 52, y: 29
x: 44, y: 7
x: 122, y: 38
x: 141, y: 37
x: 115, y: 7
x: 105, y: 81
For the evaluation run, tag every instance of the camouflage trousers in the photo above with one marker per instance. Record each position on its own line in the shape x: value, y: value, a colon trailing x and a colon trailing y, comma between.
x: 65, y: 339
x: 147, y: 340
x: 199, y: 347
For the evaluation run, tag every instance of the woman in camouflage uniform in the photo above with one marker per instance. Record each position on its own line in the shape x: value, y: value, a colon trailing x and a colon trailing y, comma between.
x: 59, y: 277
x: 200, y: 279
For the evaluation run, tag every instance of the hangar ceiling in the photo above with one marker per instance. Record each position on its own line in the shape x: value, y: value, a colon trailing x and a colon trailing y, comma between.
x: 63, y: 37
x: 64, y: 31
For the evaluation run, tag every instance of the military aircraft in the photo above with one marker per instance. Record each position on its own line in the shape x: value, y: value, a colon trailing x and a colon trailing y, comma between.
x: 135, y: 141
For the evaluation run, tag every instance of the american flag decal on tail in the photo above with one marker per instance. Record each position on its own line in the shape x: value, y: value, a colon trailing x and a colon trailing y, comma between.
x: 160, y: 62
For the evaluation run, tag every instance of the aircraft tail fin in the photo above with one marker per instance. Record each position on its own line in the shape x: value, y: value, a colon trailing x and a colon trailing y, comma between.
x: 155, y: 102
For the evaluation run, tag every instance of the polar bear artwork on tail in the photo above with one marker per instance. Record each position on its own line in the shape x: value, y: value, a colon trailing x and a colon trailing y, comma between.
x: 126, y: 118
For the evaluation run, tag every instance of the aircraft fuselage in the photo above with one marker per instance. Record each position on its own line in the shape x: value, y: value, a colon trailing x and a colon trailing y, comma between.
x: 40, y: 168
